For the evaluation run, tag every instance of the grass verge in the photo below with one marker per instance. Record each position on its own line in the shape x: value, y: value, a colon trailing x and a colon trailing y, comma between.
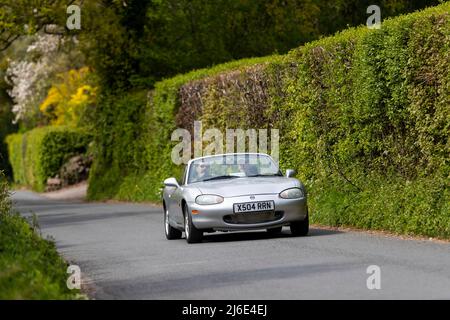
x: 30, y: 267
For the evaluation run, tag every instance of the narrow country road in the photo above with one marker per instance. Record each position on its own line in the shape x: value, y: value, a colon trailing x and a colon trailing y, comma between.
x: 123, y: 250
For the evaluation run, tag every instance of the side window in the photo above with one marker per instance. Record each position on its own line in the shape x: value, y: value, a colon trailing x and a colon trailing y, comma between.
x: 183, y: 181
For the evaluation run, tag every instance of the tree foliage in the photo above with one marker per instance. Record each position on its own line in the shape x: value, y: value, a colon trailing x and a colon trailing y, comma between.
x: 136, y: 42
x: 6, y: 119
x: 69, y: 97
x: 25, y: 17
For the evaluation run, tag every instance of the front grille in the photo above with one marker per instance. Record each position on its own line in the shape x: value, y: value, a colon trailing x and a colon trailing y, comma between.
x: 253, y: 217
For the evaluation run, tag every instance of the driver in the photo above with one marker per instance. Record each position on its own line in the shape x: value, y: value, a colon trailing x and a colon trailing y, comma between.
x: 202, y: 171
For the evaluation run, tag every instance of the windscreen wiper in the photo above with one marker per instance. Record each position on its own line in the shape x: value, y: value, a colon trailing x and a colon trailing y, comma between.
x: 265, y: 175
x: 221, y: 177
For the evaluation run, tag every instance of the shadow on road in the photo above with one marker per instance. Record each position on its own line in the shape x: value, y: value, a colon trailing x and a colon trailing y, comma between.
x: 258, y: 235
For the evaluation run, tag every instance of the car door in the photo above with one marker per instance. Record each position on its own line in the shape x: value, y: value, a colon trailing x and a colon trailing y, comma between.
x: 175, y: 201
x: 175, y: 209
x: 170, y: 204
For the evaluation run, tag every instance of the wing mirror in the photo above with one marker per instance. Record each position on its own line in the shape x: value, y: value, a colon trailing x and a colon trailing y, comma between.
x: 290, y: 173
x: 171, y: 182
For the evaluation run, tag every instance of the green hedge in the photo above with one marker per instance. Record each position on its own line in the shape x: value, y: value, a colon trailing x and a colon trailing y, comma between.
x: 363, y: 117
x: 39, y: 154
x: 15, y: 152
x: 30, y: 267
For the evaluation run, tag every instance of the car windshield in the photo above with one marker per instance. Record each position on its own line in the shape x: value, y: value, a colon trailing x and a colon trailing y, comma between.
x: 232, y: 166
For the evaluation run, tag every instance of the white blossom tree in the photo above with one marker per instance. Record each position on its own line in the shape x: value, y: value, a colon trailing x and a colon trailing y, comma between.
x: 30, y: 77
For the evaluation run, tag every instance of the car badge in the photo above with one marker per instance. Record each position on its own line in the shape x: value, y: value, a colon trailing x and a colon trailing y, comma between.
x: 252, y: 197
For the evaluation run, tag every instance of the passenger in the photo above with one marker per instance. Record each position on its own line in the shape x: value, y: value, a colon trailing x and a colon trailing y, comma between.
x: 249, y: 169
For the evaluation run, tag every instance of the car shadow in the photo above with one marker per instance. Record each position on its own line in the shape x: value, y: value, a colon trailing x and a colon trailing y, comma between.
x: 259, y: 235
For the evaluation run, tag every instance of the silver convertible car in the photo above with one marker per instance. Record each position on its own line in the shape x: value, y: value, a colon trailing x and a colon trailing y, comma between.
x: 232, y: 192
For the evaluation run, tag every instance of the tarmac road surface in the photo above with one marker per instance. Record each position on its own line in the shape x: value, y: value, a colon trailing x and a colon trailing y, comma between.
x: 122, y: 249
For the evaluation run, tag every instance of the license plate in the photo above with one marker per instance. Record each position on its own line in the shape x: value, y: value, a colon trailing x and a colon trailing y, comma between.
x: 254, y: 206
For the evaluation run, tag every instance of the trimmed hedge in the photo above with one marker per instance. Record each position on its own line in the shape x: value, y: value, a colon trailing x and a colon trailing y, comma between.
x: 364, y: 117
x: 14, y: 142
x: 30, y: 267
x: 39, y: 154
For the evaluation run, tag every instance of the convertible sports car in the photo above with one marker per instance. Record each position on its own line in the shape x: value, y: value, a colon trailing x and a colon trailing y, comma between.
x: 231, y: 192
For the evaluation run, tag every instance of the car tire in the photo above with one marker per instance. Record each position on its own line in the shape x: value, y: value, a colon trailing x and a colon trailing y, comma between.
x: 171, y: 232
x: 193, y: 235
x: 300, y: 228
x: 274, y: 231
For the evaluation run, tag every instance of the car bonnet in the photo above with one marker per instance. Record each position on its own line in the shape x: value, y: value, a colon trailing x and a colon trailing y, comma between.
x: 247, y: 186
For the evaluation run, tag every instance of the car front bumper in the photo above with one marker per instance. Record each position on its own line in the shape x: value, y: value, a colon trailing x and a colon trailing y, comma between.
x: 214, y: 216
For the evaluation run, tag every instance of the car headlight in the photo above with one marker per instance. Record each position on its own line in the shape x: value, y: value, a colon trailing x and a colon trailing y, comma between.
x: 208, y: 199
x: 292, y: 193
